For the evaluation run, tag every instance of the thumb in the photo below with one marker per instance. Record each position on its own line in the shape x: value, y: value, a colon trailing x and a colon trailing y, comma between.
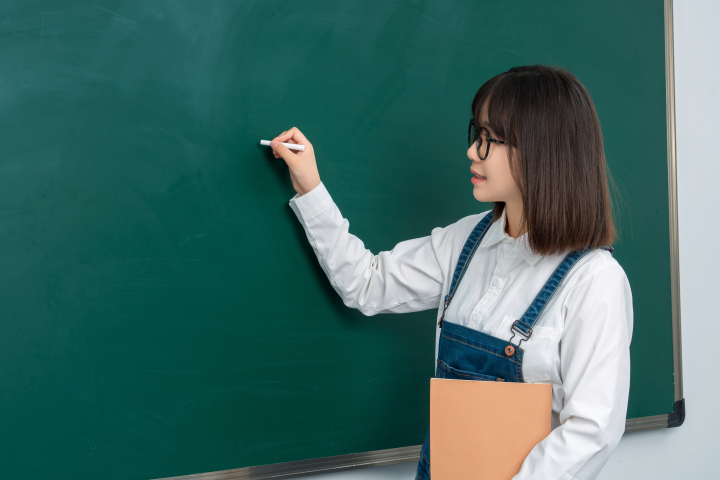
x: 282, y: 150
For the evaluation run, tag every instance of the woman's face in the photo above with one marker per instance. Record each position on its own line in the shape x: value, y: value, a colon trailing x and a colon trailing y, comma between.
x: 497, y: 184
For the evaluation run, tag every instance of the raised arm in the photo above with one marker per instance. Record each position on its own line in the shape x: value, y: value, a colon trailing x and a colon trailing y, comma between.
x: 406, y: 279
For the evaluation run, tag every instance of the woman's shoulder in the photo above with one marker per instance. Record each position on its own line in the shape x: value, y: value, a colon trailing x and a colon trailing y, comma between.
x: 465, y: 225
x: 597, y: 269
x: 448, y: 241
x: 458, y: 231
x: 598, y: 295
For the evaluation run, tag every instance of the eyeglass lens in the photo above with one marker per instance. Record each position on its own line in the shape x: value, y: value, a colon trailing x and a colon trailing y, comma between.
x: 481, y: 138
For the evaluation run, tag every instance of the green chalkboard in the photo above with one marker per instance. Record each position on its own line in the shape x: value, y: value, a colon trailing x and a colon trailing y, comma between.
x: 162, y: 311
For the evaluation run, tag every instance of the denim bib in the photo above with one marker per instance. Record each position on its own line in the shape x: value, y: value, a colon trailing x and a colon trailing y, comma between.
x: 467, y: 354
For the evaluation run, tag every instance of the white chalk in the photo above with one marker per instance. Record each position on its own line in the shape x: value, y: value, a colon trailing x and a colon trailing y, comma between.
x: 291, y: 146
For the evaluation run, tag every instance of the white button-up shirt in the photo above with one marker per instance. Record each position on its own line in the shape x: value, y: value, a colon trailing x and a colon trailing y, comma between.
x: 580, y: 344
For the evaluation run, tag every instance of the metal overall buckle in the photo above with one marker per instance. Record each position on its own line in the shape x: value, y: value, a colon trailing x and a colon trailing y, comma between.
x: 447, y: 302
x: 525, y: 333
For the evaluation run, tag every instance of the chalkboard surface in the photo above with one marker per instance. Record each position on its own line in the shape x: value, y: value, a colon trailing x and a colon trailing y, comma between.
x: 162, y: 311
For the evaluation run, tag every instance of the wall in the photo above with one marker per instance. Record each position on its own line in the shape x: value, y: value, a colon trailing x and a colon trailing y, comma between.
x: 690, y: 450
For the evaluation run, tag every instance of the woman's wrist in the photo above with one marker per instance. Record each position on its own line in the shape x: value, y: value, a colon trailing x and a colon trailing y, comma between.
x: 309, y: 188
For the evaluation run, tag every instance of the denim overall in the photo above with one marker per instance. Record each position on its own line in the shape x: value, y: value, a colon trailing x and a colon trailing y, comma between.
x: 467, y: 354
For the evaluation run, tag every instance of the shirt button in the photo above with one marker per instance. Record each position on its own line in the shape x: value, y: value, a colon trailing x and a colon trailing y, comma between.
x: 475, y: 317
x: 495, y: 281
x: 509, y: 245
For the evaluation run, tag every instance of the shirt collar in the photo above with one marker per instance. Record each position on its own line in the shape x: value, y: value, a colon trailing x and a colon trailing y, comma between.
x: 496, y: 233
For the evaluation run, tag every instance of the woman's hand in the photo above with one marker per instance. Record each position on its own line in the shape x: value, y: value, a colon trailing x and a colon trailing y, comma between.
x: 303, y: 170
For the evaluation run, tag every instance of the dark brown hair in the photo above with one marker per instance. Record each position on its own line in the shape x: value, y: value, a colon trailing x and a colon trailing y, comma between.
x: 561, y: 169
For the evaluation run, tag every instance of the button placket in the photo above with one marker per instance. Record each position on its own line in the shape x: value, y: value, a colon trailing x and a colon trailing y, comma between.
x: 508, y: 251
x: 499, y: 273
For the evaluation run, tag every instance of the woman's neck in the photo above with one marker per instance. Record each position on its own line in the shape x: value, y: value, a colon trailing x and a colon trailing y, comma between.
x: 513, y: 215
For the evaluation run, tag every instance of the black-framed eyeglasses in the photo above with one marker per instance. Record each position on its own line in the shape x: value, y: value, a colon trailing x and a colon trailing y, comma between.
x: 483, y: 139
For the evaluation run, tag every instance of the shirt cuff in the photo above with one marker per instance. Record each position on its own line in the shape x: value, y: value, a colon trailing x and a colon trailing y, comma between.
x: 312, y: 203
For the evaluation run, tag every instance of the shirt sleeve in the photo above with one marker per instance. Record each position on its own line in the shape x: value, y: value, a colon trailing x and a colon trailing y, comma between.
x: 406, y: 279
x: 595, y: 372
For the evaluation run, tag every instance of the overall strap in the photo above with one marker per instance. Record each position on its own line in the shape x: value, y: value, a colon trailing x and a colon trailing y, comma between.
x: 526, y: 323
x: 471, y: 244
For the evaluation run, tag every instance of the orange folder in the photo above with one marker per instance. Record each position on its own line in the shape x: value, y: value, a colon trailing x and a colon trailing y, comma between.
x: 485, y: 430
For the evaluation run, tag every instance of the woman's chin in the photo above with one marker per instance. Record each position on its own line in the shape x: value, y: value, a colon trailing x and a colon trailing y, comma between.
x: 481, y: 196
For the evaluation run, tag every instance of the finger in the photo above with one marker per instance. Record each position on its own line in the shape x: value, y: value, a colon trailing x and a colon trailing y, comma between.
x: 281, y: 140
x: 298, y: 136
x: 284, y: 152
x: 283, y: 137
x: 293, y: 134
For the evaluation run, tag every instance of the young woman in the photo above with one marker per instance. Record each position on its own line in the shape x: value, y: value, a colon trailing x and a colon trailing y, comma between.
x: 532, y: 281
